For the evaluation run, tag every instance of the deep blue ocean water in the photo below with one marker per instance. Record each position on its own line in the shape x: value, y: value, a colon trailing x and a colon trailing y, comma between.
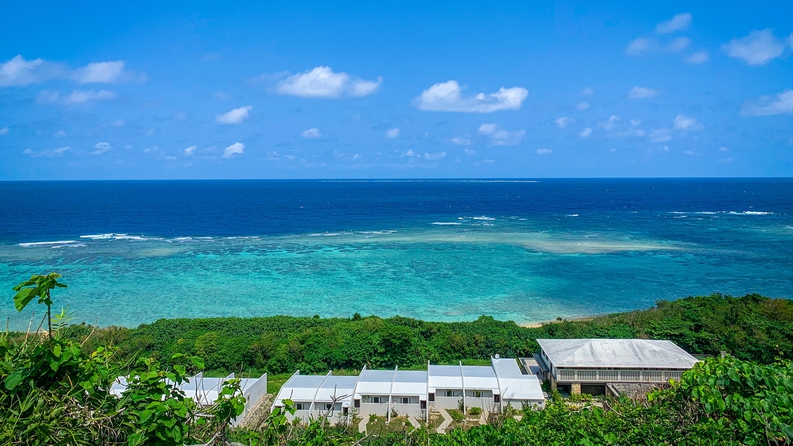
x: 136, y: 251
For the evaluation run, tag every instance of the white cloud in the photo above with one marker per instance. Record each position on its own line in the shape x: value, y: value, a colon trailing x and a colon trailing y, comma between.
x: 53, y: 153
x: 639, y: 132
x: 501, y: 137
x: 684, y: 123
x: 446, y: 96
x: 642, y: 92
x: 322, y: 82
x: 20, y: 72
x: 583, y: 105
x: 100, y: 148
x: 588, y: 91
x: 563, y: 121
x: 724, y: 160
x: 434, y: 156
x: 638, y: 46
x: 461, y: 141
x: 234, y: 116
x: 392, y: 133
x: 660, y: 135
x: 235, y: 149
x: 544, y: 151
x: 609, y: 125
x: 118, y: 123
x: 220, y: 96
x: 312, y: 133
x: 586, y: 132
x: 677, y: 23
x: 691, y: 152
x: 679, y: 44
x: 59, y: 134
x: 698, y: 57
x: 469, y: 151
x: 635, y: 122
x: 723, y: 149
x: 780, y: 104
x: 76, y: 97
x: 4, y: 131
x: 189, y: 151
x: 758, y: 48
x: 99, y: 72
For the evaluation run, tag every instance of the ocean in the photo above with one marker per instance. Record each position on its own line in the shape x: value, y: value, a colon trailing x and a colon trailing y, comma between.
x: 523, y: 250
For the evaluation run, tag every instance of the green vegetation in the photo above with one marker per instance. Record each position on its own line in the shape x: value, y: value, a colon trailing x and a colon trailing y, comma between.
x: 751, y: 327
x: 55, y: 388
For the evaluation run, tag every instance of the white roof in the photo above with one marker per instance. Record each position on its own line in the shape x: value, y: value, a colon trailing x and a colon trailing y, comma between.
x: 410, y: 383
x: 513, y: 384
x: 342, y: 385
x: 374, y: 382
x: 299, y: 388
x: 444, y: 377
x: 616, y: 353
x: 480, y: 378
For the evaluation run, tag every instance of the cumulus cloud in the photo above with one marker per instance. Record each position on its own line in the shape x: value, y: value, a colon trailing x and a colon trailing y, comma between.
x: 660, y: 135
x: 586, y: 132
x: 691, y: 152
x: 4, y: 131
x: 678, y: 44
x: 235, y: 116
x: 76, y: 97
x: 447, y: 96
x: 642, y: 92
x: 52, y: 153
x: 100, y: 148
x: 640, y: 45
x: 610, y: 124
x: 235, y: 149
x: 461, y: 141
x: 20, y: 72
x: 780, y: 104
x: 724, y: 160
x: 312, y: 133
x: 434, y: 156
x: 563, y: 122
x: 392, y: 133
x: 583, y: 106
x: 758, y: 48
x: 469, y: 152
x: 635, y: 122
x: 684, y: 123
x: 677, y: 23
x: 723, y: 149
x: 588, y: 91
x: 544, y: 151
x: 698, y: 58
x: 322, y: 82
x: 499, y: 136
x: 189, y: 151
x: 99, y: 72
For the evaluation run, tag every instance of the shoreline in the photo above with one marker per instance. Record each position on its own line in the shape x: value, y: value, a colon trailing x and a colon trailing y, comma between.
x: 574, y: 319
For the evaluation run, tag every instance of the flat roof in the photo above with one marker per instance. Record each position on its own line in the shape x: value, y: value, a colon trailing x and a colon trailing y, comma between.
x: 374, y: 382
x: 410, y: 383
x: 341, y: 385
x: 616, y: 353
x: 480, y: 378
x: 444, y: 377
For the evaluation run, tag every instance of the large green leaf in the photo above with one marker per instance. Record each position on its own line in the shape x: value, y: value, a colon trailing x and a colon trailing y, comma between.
x: 23, y: 297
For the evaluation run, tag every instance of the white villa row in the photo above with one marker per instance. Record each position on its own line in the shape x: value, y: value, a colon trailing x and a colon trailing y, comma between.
x: 412, y: 392
x: 204, y: 391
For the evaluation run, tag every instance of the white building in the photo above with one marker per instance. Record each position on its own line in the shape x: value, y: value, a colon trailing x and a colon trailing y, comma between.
x: 413, y: 392
x: 588, y: 365
x: 204, y: 391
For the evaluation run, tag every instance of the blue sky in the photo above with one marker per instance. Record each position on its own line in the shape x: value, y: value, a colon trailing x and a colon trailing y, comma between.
x: 138, y: 90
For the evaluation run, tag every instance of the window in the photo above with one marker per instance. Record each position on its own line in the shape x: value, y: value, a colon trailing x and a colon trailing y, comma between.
x: 431, y: 397
x: 452, y: 393
x: 405, y: 400
x: 357, y: 404
x: 375, y: 399
x: 496, y: 398
x: 301, y: 406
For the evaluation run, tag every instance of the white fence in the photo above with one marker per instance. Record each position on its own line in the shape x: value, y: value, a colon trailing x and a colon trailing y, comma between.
x: 596, y: 375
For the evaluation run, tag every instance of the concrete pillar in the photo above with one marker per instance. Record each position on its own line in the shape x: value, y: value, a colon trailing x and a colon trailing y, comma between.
x: 575, y: 389
x: 553, y: 383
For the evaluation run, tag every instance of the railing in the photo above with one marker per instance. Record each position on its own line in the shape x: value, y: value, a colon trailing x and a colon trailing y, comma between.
x: 655, y: 376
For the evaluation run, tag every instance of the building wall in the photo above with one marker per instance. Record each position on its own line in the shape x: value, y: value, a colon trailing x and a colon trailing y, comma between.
x: 414, y: 410
x: 380, y: 409
x: 446, y: 402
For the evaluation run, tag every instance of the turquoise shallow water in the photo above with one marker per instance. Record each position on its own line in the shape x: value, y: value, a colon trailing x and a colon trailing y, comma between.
x: 434, y: 266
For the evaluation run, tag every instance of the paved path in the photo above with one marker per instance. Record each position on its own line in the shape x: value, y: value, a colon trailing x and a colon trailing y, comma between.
x: 413, y: 422
x: 362, y: 425
x: 447, y: 420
